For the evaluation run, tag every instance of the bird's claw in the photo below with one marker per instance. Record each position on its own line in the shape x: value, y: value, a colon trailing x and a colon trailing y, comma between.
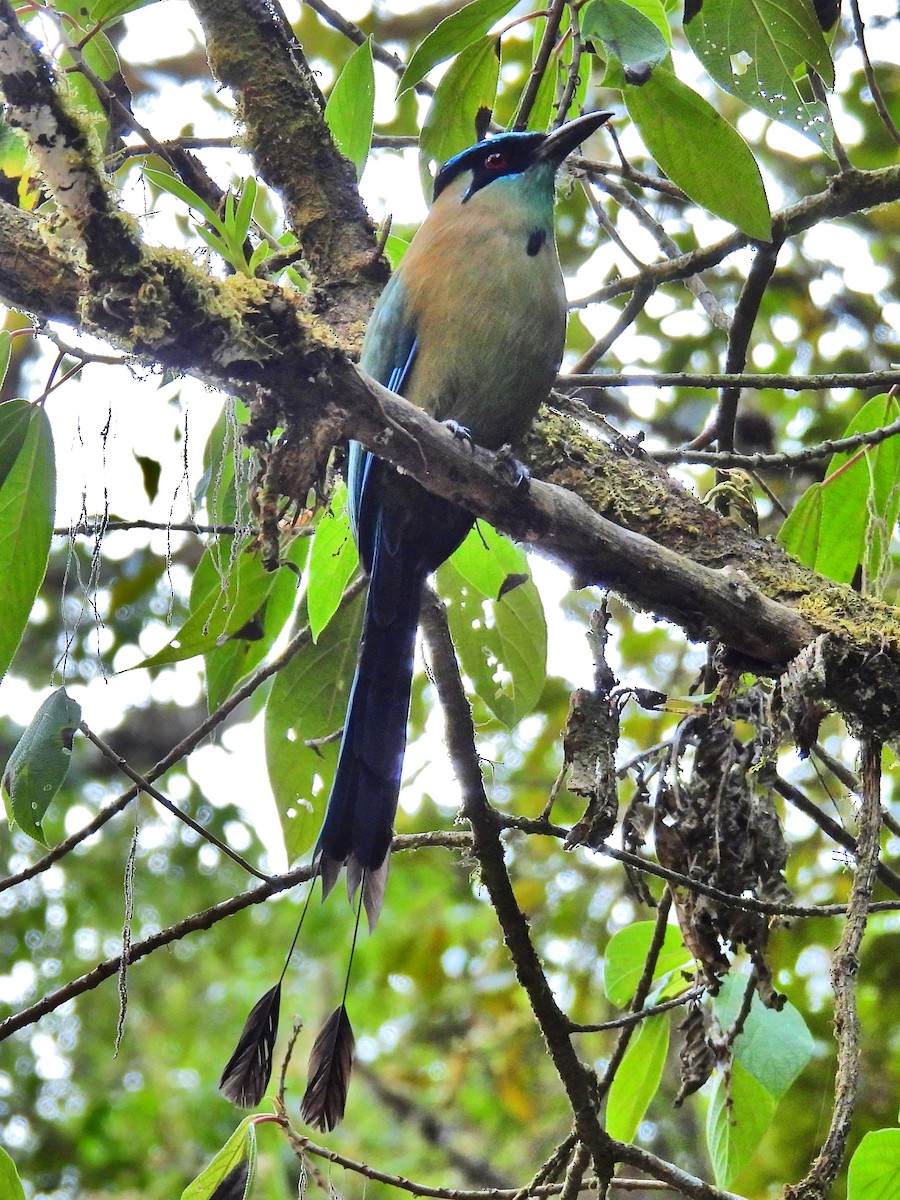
x: 459, y: 431
x: 516, y: 472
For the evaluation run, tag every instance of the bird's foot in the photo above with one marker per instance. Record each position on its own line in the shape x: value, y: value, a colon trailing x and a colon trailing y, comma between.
x: 510, y: 467
x: 459, y: 431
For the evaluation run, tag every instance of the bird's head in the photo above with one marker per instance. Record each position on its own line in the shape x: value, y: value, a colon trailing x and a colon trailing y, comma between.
x: 511, y: 156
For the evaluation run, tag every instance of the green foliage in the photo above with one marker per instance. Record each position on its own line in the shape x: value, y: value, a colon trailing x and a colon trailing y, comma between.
x: 235, y: 1163
x: 844, y: 524
x: 451, y: 36
x: 10, y: 1183
x: 637, y: 1079
x: 700, y: 151
x: 626, y: 955
x: 38, y: 766
x: 773, y: 1047
x: 306, y: 704
x: 756, y: 50
x: 625, y: 33
x: 497, y: 621
x: 229, y: 594
x: 351, y: 107
x: 332, y: 561
x: 228, y: 234
x: 874, y: 1172
x: 740, y: 1112
x: 27, y: 500
x: 462, y: 102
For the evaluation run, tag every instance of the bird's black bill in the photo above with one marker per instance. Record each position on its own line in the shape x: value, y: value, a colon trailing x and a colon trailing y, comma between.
x: 561, y: 142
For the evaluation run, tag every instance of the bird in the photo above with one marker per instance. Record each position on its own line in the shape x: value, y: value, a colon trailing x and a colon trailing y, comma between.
x: 471, y: 328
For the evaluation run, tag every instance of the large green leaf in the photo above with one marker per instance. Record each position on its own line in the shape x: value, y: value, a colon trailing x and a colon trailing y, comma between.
x: 451, y: 36
x: 235, y: 1162
x: 38, y: 766
x: 773, y: 1047
x: 15, y: 420
x: 112, y: 10
x: 626, y: 953
x: 307, y: 702
x: 624, y: 32
x: 10, y: 1183
x: 754, y: 49
x: 231, y: 661
x: 700, y: 151
x: 229, y: 589
x: 332, y: 561
x: 874, y: 1172
x: 463, y: 98
x: 845, y: 522
x: 740, y: 1111
x: 27, y: 506
x: 350, y: 111
x: 497, y: 622
x: 637, y: 1078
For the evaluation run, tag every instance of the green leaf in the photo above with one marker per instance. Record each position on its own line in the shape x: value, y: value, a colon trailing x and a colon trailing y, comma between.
x: 452, y: 35
x: 626, y: 954
x: 38, y: 766
x: 350, y: 111
x: 624, y: 32
x: 100, y: 56
x: 874, y: 1171
x: 700, y: 151
x: 15, y: 419
x: 112, y: 10
x: 755, y: 51
x: 238, y: 1155
x: 230, y: 587
x: 734, y: 1129
x: 845, y: 521
x: 27, y: 507
x: 637, y: 1078
x: 222, y: 452
x: 307, y: 702
x: 150, y: 472
x: 232, y: 661
x: 773, y: 1047
x: 332, y: 561
x: 5, y: 353
x: 173, y: 185
x: 10, y: 1183
x: 654, y: 11
x: 497, y: 622
x: 464, y: 95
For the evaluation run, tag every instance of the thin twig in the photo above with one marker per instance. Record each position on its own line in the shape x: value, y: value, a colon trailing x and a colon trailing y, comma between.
x: 871, y: 78
x: 145, y: 786
x: 752, y: 379
x: 758, y: 278
x: 635, y: 1017
x: 844, y: 969
x: 539, y: 66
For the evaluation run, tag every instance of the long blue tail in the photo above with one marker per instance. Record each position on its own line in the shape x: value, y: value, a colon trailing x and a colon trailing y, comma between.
x: 359, y: 821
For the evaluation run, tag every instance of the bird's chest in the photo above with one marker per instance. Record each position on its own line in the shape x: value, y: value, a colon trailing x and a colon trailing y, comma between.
x: 489, y: 350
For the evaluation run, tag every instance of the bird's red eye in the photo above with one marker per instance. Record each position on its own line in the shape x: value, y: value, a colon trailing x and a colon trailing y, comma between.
x: 495, y: 161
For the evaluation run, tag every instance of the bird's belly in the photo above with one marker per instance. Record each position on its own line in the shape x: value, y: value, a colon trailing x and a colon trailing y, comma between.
x: 491, y: 370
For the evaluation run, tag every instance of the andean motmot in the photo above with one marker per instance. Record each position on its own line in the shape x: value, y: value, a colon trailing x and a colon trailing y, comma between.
x: 471, y: 328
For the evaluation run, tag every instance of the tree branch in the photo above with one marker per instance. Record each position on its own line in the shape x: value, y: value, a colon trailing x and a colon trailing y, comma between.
x: 844, y: 970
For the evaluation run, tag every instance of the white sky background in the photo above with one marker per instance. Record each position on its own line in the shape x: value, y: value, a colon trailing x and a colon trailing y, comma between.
x: 92, y: 476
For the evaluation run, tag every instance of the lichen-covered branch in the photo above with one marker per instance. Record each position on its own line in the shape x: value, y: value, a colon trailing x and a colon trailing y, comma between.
x: 71, y: 170
x: 282, y: 108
